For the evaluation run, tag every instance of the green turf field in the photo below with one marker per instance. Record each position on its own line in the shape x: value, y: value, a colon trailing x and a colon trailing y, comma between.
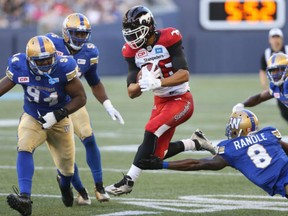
x: 156, y: 193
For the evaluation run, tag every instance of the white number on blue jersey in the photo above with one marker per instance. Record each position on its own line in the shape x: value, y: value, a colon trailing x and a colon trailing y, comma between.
x: 35, y: 95
x: 259, y: 156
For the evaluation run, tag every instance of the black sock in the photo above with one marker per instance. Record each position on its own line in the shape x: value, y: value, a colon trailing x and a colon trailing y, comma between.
x: 174, y: 149
x: 147, y: 147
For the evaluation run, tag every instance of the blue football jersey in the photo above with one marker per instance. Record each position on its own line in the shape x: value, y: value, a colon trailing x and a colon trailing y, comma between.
x: 280, y: 94
x: 86, y: 58
x: 42, y: 94
x: 260, y: 158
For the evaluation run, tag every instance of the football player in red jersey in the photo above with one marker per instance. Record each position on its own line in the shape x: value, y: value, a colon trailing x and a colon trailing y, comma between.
x: 173, y: 102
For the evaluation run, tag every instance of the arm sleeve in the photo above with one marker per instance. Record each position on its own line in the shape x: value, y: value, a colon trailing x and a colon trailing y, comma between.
x: 178, y: 56
x: 132, y: 71
x: 263, y: 63
x: 92, y: 76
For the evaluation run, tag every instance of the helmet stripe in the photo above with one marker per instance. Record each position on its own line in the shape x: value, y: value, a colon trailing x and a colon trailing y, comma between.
x: 81, y: 19
x: 41, y: 44
x: 251, y: 119
x: 273, y: 59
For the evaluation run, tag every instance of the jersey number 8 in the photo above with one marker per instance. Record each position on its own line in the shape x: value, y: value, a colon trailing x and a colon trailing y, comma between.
x: 259, y: 156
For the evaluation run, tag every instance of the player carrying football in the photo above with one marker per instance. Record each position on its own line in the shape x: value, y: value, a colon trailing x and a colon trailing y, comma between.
x: 173, y: 103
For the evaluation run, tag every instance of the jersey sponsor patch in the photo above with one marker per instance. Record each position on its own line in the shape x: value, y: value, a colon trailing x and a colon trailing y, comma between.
x: 141, y: 53
x: 276, y: 95
x: 159, y: 50
x: 59, y: 53
x: 81, y: 61
x: 23, y: 79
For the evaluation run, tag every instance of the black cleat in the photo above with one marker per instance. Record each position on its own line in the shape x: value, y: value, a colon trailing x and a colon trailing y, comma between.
x: 67, y: 194
x: 20, y: 203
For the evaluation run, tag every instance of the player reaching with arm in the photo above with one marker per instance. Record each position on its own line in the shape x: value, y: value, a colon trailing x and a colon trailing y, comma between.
x: 258, y: 155
x: 168, y: 79
x: 52, y: 91
x: 277, y: 74
x: 76, y: 31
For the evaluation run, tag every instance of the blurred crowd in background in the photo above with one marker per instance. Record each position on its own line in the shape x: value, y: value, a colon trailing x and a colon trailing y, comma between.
x: 46, y: 14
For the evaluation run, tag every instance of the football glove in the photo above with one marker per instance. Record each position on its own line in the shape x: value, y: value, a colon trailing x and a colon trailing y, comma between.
x: 52, y: 118
x: 152, y: 163
x: 115, y: 115
x: 156, y: 73
x: 238, y: 107
x: 148, y: 81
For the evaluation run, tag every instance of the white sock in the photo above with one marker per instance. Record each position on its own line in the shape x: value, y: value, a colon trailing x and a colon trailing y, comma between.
x: 134, y: 172
x: 189, y: 145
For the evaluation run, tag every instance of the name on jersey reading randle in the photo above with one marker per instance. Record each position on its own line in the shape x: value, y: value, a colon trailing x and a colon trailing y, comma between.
x: 249, y: 140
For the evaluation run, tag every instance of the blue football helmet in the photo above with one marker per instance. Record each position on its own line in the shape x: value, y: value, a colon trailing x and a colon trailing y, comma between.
x: 76, y: 30
x: 277, y: 68
x: 41, y: 55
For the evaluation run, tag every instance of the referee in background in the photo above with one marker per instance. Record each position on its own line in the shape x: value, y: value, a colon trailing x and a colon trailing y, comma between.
x: 276, y: 41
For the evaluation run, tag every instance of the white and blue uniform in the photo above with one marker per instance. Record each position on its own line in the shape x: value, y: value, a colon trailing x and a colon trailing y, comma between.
x: 280, y: 92
x: 260, y: 158
x: 42, y: 94
x: 86, y: 58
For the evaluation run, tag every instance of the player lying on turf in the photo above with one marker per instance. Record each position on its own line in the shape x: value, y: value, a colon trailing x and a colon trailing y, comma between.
x: 259, y: 155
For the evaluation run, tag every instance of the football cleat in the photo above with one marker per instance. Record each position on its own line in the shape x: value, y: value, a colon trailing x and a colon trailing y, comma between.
x: 202, y: 142
x: 83, y: 197
x: 20, y: 203
x: 67, y: 194
x: 122, y: 187
x: 100, y: 193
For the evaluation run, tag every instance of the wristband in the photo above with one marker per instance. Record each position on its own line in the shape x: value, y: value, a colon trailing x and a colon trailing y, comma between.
x: 165, y: 165
x: 60, y: 114
x: 107, y: 104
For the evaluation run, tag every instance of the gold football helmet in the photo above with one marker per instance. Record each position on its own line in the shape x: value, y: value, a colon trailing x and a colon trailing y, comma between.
x: 277, y: 68
x: 41, y: 55
x: 76, y: 30
x: 241, y: 123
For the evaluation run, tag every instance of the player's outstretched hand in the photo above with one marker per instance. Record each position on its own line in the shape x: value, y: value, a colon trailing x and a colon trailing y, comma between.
x: 151, y: 163
x: 115, y: 115
x: 238, y: 107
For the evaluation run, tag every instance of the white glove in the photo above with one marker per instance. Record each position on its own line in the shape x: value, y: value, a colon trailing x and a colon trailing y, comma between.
x: 156, y: 73
x: 148, y: 81
x: 49, y: 120
x: 115, y: 115
x: 238, y: 107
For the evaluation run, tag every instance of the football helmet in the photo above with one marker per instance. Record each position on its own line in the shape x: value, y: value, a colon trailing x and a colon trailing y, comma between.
x: 241, y: 123
x: 76, y: 30
x: 41, y: 55
x: 277, y: 68
x: 138, y: 25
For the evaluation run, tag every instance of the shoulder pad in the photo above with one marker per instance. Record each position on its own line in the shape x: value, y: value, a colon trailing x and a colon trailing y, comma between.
x: 169, y: 36
x: 128, y: 52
